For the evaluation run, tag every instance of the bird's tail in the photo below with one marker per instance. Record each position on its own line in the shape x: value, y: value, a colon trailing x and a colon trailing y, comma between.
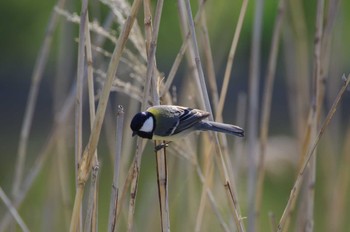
x: 221, y: 127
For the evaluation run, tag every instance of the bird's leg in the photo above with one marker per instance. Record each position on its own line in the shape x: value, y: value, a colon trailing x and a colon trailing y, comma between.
x: 161, y: 146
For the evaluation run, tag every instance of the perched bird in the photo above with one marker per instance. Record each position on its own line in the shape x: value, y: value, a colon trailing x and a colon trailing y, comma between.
x: 170, y: 122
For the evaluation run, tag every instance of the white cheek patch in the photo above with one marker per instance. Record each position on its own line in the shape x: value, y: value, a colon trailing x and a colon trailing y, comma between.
x: 147, y: 125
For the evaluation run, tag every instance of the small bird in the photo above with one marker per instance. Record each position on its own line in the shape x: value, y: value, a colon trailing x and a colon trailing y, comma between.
x: 170, y: 123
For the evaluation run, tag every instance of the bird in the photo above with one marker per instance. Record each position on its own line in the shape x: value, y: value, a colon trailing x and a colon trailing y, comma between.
x: 172, y: 122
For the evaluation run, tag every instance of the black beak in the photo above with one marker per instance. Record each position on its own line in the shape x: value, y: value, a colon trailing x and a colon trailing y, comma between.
x: 134, y: 133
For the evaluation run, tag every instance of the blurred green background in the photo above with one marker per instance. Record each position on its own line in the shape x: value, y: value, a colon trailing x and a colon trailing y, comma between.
x: 22, y: 30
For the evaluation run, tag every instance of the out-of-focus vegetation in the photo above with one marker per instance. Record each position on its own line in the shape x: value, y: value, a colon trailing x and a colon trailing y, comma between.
x: 48, y: 199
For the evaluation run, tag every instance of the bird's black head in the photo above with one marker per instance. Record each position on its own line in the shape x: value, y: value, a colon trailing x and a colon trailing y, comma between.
x: 143, y: 125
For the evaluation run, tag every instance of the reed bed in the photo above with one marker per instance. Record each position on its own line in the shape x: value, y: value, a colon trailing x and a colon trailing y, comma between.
x: 290, y: 172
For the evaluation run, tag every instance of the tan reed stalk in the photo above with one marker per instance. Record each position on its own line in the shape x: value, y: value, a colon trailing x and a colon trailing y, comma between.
x: 163, y: 193
x: 148, y: 81
x: 298, y: 84
x: 204, y: 95
x: 316, y: 105
x: 90, y: 224
x: 12, y: 209
x: 181, y: 52
x: 230, y: 59
x: 78, y: 130
x: 297, y: 184
x: 37, y: 76
x: 209, y: 61
x: 253, y: 107
x: 85, y: 163
x: 266, y: 106
x: 214, y: 90
x: 92, y: 207
x: 115, y: 185
x: 67, y: 108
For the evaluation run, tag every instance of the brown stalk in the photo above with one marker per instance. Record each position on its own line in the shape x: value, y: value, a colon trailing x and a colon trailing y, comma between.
x: 115, y: 186
x: 181, y: 52
x: 266, y: 105
x: 206, y: 103
x: 296, y: 188
x: 149, y: 76
x: 91, y: 215
x: 85, y: 163
x: 78, y: 131
x: 230, y: 60
x: 37, y: 76
x: 253, y: 106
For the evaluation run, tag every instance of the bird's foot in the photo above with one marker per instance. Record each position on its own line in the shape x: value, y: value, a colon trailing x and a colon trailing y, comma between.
x: 161, y: 146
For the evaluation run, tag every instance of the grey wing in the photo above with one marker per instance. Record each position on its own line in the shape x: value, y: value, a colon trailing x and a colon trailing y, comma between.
x: 188, y: 118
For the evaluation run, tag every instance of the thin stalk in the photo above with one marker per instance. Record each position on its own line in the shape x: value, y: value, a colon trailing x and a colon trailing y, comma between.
x: 60, y: 120
x: 297, y: 184
x: 149, y: 76
x: 266, y: 105
x: 162, y: 181
x: 181, y: 52
x: 316, y: 105
x: 253, y: 109
x: 115, y: 186
x: 13, y: 211
x: 78, y: 130
x: 209, y: 61
x: 91, y: 217
x: 205, y: 101
x: 230, y: 59
x: 37, y: 76
x: 86, y: 160
x: 92, y: 206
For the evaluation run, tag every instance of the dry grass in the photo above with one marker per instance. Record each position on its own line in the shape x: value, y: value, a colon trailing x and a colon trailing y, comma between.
x: 203, y: 183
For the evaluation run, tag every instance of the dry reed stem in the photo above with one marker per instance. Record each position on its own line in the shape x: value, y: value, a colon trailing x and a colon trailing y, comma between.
x: 163, y: 194
x: 296, y: 188
x: 78, y: 130
x: 37, y: 76
x: 85, y: 163
x: 13, y: 211
x: 92, y: 207
x: 266, y: 105
x: 162, y: 169
x: 254, y: 77
x: 67, y: 108
x: 209, y: 61
x: 113, y: 206
x: 230, y: 59
x: 205, y: 101
x: 212, y: 201
x: 316, y: 105
x: 149, y: 76
x: 92, y: 203
x: 181, y: 52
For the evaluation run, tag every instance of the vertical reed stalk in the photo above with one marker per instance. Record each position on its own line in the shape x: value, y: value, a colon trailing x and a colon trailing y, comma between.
x: 254, y: 78
x: 297, y: 184
x: 149, y: 76
x: 266, y: 105
x: 113, y: 206
x: 85, y: 163
x: 37, y: 76
x: 79, y: 104
x: 206, y: 103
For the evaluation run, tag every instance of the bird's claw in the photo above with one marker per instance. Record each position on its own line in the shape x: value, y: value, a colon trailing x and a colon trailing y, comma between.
x: 161, y: 146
